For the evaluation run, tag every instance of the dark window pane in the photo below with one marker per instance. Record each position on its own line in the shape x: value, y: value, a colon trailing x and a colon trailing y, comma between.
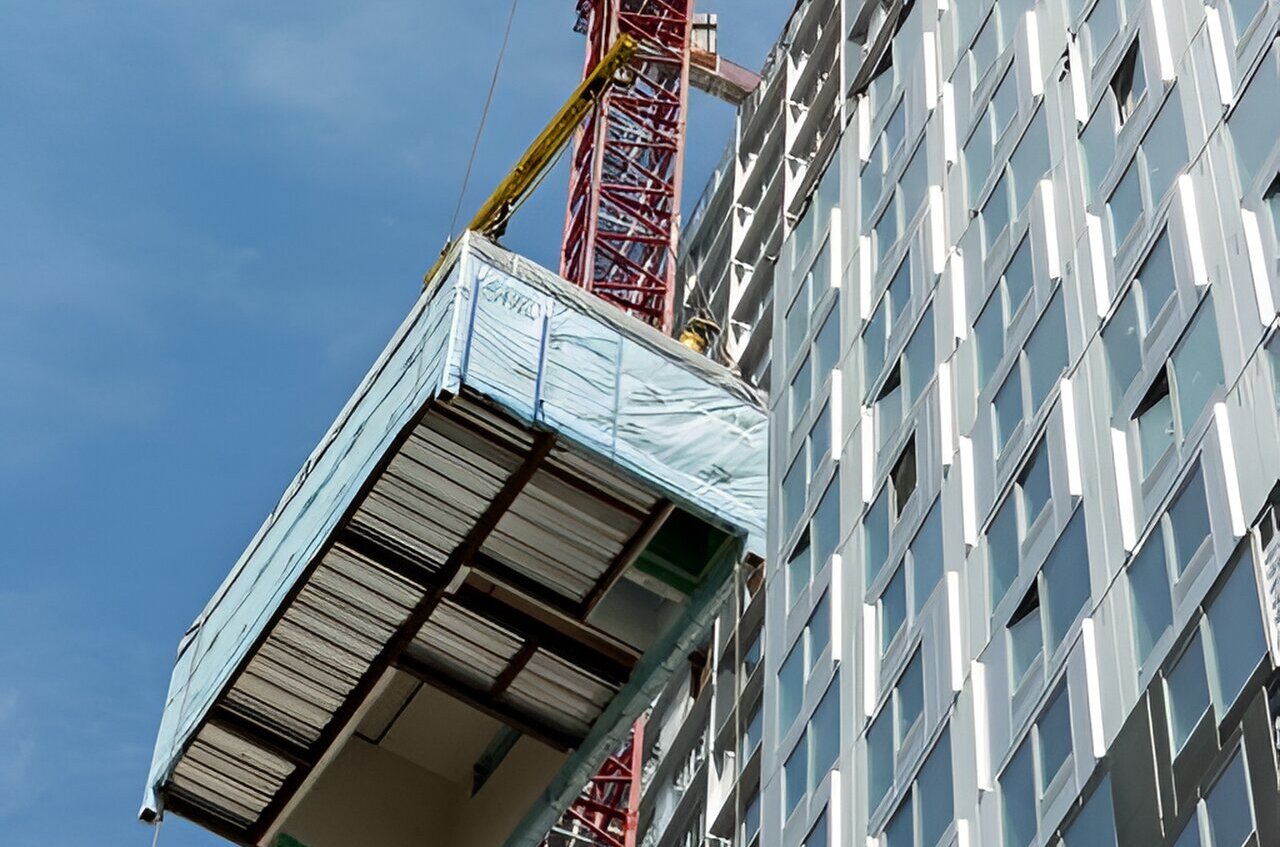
x: 1034, y: 484
x: 893, y: 607
x: 910, y: 695
x: 1002, y: 550
x: 901, y: 829
x: 936, y: 792
x: 989, y: 330
x: 1156, y: 279
x: 1125, y: 205
x: 1066, y: 579
x: 1235, y: 627
x: 1230, y: 812
x: 1017, y: 795
x: 926, y: 556
x: 1008, y: 407
x: 876, y: 531
x: 1197, y: 366
x: 1149, y: 587
x: 880, y: 757
x: 826, y: 524
x: 1189, y: 519
x: 1187, y: 692
x: 1054, y: 731
x: 1096, y: 825
x: 1122, y: 338
x: 796, y: 773
x: 1255, y: 123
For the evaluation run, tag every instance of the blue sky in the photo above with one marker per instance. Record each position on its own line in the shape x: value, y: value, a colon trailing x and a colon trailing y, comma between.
x: 212, y: 217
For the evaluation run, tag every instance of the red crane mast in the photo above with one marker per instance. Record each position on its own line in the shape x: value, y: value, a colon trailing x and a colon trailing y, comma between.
x: 622, y: 220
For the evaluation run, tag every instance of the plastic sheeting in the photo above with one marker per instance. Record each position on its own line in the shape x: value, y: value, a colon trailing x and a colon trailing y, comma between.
x: 550, y: 355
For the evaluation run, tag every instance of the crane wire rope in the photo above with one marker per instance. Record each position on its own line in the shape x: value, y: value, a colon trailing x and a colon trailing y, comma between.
x: 484, y: 116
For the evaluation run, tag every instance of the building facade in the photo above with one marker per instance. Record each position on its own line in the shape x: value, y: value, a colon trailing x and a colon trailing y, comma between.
x: 1010, y: 272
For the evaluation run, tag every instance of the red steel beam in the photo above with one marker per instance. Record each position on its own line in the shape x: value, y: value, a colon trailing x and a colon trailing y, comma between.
x: 626, y: 167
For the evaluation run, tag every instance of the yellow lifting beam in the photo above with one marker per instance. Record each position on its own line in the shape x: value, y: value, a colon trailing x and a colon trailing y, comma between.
x: 506, y: 198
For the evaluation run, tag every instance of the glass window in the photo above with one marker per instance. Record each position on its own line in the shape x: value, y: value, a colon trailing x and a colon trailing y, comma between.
x: 1187, y: 692
x: 1034, y: 484
x: 1189, y: 520
x: 895, y: 129
x: 903, y: 478
x: 1030, y: 161
x: 1236, y: 639
x: 879, y: 757
x: 875, y: 341
x: 989, y: 331
x: 826, y: 524
x: 1122, y: 339
x: 1066, y: 579
x: 1190, y: 835
x: 983, y: 51
x: 1155, y: 424
x: 817, y: 836
x: 876, y: 530
x: 889, y: 402
x: 1098, y: 142
x: 915, y: 181
x: 1165, y: 148
x: 796, y: 774
x: 1129, y: 83
x: 886, y: 232
x: 1008, y: 407
x: 977, y: 161
x: 794, y: 488
x: 1053, y: 731
x: 937, y: 792
x: 1095, y: 826
x: 1156, y: 280
x: 1125, y: 205
x: 1025, y: 638
x: 893, y: 607
x: 1243, y: 13
x: 751, y: 817
x: 1228, y: 806
x: 1102, y: 25
x: 790, y: 686
x: 1149, y: 594
x: 820, y: 439
x: 900, y: 291
x: 1255, y: 123
x: 995, y: 213
x: 826, y: 349
x: 1197, y: 366
x: 926, y: 556
x: 754, y: 732
x: 1002, y: 550
x: 797, y: 321
x: 910, y: 695
x: 1018, y: 800
x: 818, y: 633
x: 1018, y: 277
x: 1004, y: 102
x: 825, y: 732
x: 901, y: 829
x: 799, y: 568
x: 918, y: 357
x: 1047, y: 351
x: 801, y: 388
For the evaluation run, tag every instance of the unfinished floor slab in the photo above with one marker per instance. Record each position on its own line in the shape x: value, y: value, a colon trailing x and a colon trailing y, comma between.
x: 508, y: 540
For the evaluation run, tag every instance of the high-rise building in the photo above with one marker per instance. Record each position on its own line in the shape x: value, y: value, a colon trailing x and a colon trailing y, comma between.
x: 1009, y: 270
